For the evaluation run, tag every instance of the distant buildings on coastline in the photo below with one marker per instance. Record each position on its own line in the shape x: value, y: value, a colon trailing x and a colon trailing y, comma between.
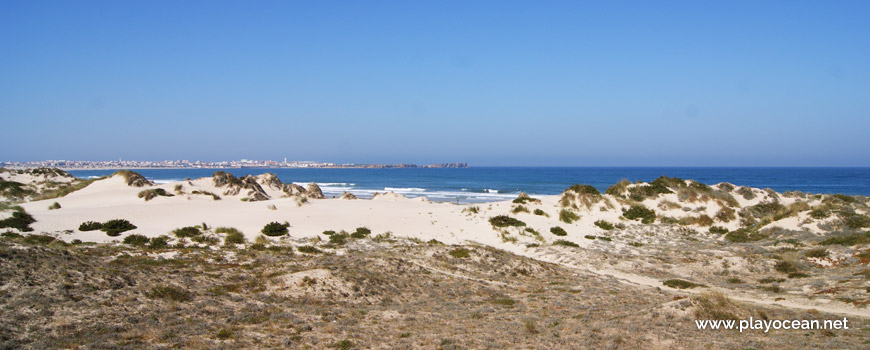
x: 244, y: 163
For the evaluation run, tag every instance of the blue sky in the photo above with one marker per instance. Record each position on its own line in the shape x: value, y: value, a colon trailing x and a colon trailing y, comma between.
x: 694, y: 83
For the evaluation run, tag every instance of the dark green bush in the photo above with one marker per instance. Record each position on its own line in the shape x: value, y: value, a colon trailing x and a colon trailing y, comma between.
x: 540, y: 212
x: 54, y: 206
x: 817, y: 253
x: 114, y: 227
x: 584, y: 189
x: 856, y: 221
x: 187, y: 231
x: 158, y: 242
x: 519, y: 209
x: 460, y: 253
x: 153, y: 193
x: 681, y: 284
x: 566, y: 243
x: 308, y: 249
x: 604, y: 225
x: 524, y: 198
x: 744, y: 235
x: 274, y: 229
x: 558, y: 231
x: 785, y: 266
x: 339, y: 238
x: 38, y: 239
x: 848, y: 240
x: 639, y: 211
x: 170, y: 292
x: 329, y: 232
x: 136, y: 240
x: 505, y: 221
x: 90, y: 226
x: 361, y: 232
x: 719, y: 230
x: 232, y: 235
x: 19, y: 220
x: 568, y: 216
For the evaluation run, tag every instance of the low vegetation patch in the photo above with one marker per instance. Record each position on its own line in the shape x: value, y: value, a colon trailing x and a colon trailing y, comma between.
x: 566, y: 243
x: 568, y: 216
x: 90, y: 226
x: 187, y: 231
x: 136, y: 240
x: 19, y: 220
x: 848, y: 240
x: 153, y: 193
x: 170, y: 292
x: 460, y: 253
x: 604, y: 225
x: 115, y: 227
x: 558, y: 231
x: 817, y: 253
x: 638, y: 211
x: 519, y: 209
x: 133, y: 178
x: 360, y: 232
x: 505, y: 221
x: 275, y: 229
x: 307, y: 249
x: 681, y: 284
x: 232, y: 235
x: 54, y: 206
x: 524, y: 198
x: 744, y: 235
x: 719, y: 230
x: 541, y: 213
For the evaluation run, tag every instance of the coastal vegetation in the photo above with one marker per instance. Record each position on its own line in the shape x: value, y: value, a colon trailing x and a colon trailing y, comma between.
x: 505, y: 221
x: 275, y: 229
x: 150, y: 194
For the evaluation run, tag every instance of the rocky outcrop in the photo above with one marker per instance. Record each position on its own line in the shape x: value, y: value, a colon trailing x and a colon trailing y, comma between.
x: 313, y: 191
x: 233, y: 186
x: 347, y: 195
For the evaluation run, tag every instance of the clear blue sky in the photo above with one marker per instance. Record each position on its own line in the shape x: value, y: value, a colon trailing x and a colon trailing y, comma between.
x: 491, y: 83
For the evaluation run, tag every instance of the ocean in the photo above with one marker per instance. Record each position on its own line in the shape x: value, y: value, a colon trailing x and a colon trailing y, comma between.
x: 485, y: 184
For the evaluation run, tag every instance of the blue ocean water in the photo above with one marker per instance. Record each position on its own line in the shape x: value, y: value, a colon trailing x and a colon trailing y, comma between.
x: 482, y: 184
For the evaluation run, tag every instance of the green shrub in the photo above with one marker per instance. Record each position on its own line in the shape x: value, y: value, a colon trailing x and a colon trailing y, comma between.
x: 136, y: 240
x: 848, y: 240
x: 591, y: 237
x: 19, y: 220
x: 225, y: 333
x: 158, y: 242
x: 603, y: 238
x: 771, y: 280
x: 274, y: 229
x: 170, y: 292
x: 817, y: 253
x: 618, y: 189
x: 584, y: 189
x: 719, y: 230
x: 460, y: 253
x: 639, y: 211
x: 604, y: 225
x: 205, y: 239
x: 232, y: 235
x: 558, y: 231
x: 856, y: 221
x: 735, y: 280
x: 361, y: 232
x: 329, y: 232
x: 307, y: 249
x: 114, y: 227
x: 339, y: 238
x: 345, y: 344
x: 133, y: 178
x: 153, y: 193
x: 519, y: 209
x: 744, y: 235
x: 541, y: 213
x: 566, y: 243
x: 797, y: 275
x: 681, y: 284
x: 188, y: 231
x: 38, y: 239
x: 505, y: 221
x: 568, y: 216
x: 785, y: 266
x: 206, y: 193
x: 524, y: 198
x: 90, y: 226
x: 472, y: 209
x: 54, y: 206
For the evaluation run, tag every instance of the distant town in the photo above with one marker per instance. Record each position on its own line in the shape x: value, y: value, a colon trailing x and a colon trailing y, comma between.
x: 244, y: 163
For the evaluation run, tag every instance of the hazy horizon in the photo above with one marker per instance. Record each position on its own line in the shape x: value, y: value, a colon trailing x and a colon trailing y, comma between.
x: 488, y: 83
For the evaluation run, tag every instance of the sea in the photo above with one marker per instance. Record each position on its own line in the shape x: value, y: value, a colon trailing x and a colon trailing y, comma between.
x: 487, y: 184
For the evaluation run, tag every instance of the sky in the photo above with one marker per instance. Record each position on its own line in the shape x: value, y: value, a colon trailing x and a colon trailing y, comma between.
x: 529, y: 83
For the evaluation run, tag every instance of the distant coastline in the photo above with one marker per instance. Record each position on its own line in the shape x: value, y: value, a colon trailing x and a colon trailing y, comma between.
x: 240, y: 164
